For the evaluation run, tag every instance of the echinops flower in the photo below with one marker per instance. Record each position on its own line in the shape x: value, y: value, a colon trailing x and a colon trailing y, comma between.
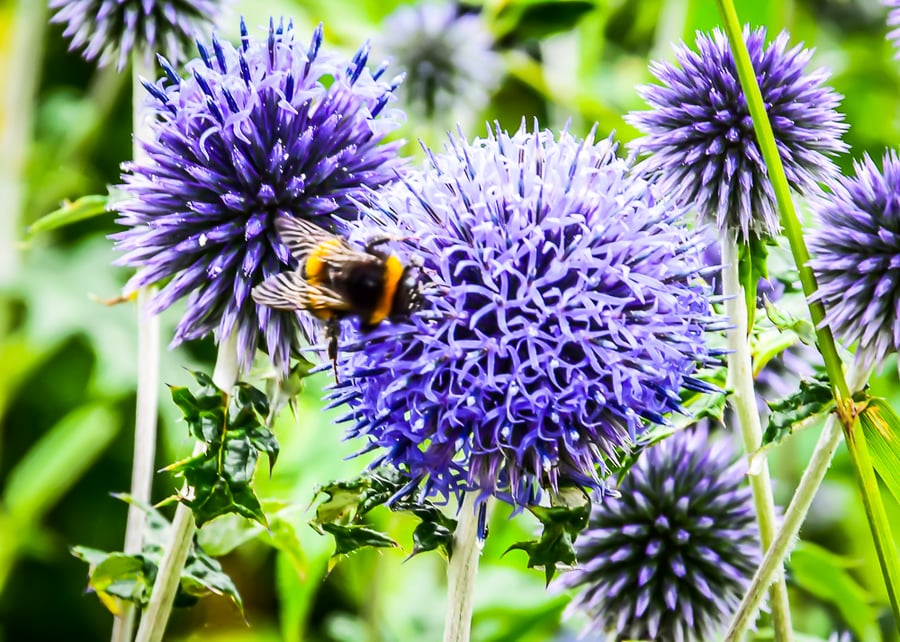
x: 271, y: 128
x: 699, y: 133
x: 893, y: 21
x: 563, y: 311
x: 856, y: 257
x: 109, y: 30
x: 669, y: 558
x: 450, y: 66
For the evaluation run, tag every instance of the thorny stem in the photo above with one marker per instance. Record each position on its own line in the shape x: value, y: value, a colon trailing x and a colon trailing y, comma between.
x: 153, y: 623
x: 466, y: 550
x: 794, y: 516
x: 147, y: 397
x: 859, y: 455
x: 743, y: 398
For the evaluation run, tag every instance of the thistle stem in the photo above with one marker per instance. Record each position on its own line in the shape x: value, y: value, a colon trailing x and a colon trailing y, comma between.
x: 153, y: 623
x: 147, y: 394
x: 467, y: 545
x: 21, y: 77
x: 795, y: 514
x: 743, y: 398
x: 879, y: 524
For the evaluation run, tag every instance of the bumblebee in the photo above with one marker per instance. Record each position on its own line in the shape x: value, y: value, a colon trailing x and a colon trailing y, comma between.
x: 336, y: 281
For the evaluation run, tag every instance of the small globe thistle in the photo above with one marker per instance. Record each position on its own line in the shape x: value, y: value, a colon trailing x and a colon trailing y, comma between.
x: 562, y: 313
x: 669, y: 559
x: 450, y: 67
x: 893, y: 21
x: 109, y: 30
x: 272, y: 128
x: 700, y: 137
x: 856, y: 257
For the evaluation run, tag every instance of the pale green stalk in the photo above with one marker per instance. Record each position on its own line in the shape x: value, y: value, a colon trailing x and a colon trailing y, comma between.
x: 859, y: 456
x: 147, y: 394
x: 796, y: 512
x: 466, y: 550
x: 156, y: 617
x: 20, y: 79
x: 743, y: 399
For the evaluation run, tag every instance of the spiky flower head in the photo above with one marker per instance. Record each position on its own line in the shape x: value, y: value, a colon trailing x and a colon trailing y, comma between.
x: 669, y: 559
x: 563, y: 312
x: 700, y: 137
x: 109, y: 30
x: 270, y: 128
x: 450, y: 66
x: 856, y: 257
x: 893, y: 21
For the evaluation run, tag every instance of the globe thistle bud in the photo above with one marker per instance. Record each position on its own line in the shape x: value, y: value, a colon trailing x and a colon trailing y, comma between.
x: 108, y: 30
x: 563, y: 312
x: 270, y: 128
x: 856, y: 257
x: 669, y: 559
x: 700, y: 136
x: 450, y: 67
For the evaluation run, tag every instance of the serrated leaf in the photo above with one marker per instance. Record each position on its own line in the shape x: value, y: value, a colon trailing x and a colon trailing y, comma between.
x: 787, y: 322
x: 235, y: 428
x: 70, y: 212
x: 881, y: 430
x: 348, y: 539
x: 119, y: 576
x: 813, y: 398
x: 556, y: 545
x: 434, y: 531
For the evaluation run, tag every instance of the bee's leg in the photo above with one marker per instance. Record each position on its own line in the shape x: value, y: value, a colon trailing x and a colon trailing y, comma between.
x: 381, y: 240
x: 332, y: 330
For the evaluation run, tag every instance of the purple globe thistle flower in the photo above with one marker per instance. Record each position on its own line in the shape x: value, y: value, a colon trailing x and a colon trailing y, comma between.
x: 450, y: 67
x: 670, y: 557
x: 562, y: 313
x: 271, y: 128
x: 109, y: 30
x: 700, y: 137
x: 893, y: 21
x: 856, y: 251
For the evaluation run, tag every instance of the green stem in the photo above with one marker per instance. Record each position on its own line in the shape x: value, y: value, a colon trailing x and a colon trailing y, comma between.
x: 461, y: 573
x: 23, y: 66
x: 147, y: 394
x: 794, y: 516
x: 743, y: 398
x: 153, y: 623
x: 859, y: 456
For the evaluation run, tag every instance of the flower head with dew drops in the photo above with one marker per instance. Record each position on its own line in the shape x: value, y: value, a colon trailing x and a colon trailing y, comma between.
x: 856, y: 257
x: 273, y: 127
x: 699, y: 133
x: 564, y: 310
x: 451, y: 69
x: 670, y: 557
x: 109, y: 30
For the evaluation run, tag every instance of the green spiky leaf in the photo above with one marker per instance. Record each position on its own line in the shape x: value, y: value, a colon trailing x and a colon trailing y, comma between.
x: 116, y: 576
x: 813, y: 398
x: 561, y: 525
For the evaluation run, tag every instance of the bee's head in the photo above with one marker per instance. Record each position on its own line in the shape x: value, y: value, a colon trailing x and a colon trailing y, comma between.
x: 408, y: 297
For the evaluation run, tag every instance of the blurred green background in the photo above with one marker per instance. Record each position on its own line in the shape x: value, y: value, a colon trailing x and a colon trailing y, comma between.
x: 67, y: 370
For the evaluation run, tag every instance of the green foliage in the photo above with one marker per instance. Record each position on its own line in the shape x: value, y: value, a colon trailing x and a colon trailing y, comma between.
x: 751, y: 268
x: 120, y: 576
x: 70, y: 212
x: 235, y: 430
x: 347, y: 503
x: 562, y: 522
x: 812, y: 399
x: 881, y: 430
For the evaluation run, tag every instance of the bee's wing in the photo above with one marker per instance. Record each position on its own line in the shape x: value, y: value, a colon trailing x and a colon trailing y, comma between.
x: 302, y: 237
x: 289, y: 291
